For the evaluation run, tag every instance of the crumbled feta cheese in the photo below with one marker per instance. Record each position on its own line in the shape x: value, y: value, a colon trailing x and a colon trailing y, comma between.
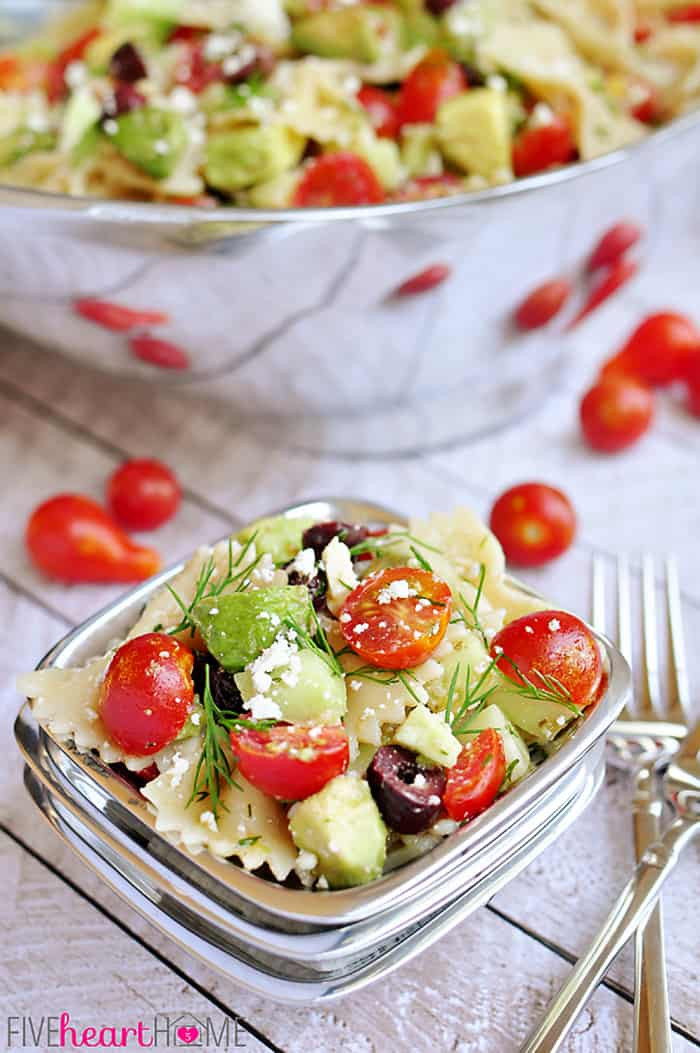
x: 218, y: 45
x: 322, y: 883
x: 179, y: 767
x: 75, y: 74
x: 420, y: 780
x: 196, y: 719
x: 209, y: 819
x: 345, y: 618
x: 262, y: 708
x: 496, y: 82
x: 306, y: 860
x: 529, y: 630
x: 182, y: 100
x: 541, y: 115
x: 337, y: 563
x: 304, y: 563
x: 443, y: 827
x: 361, y: 628
x: 396, y: 590
x: 110, y: 127
x: 554, y: 625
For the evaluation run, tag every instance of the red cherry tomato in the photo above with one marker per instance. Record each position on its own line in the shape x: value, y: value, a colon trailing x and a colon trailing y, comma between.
x: 396, y: 618
x: 614, y: 243
x: 534, y: 523
x: 424, y: 281
x: 551, y: 644
x: 72, y: 539
x: 381, y: 107
x: 435, y: 79
x: 685, y: 13
x: 338, y: 179
x: 291, y: 762
x: 646, y: 103
x: 538, y: 148
x: 660, y: 350
x: 160, y: 353
x: 615, y: 413
x: 56, y: 72
x: 147, y: 693
x: 195, y: 72
x: 143, y: 494
x: 115, y: 316
x: 613, y: 279
x: 476, y: 778
x: 542, y: 304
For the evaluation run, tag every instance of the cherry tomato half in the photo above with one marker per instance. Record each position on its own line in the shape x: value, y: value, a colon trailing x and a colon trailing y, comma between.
x: 396, y: 618
x: 291, y: 762
x: 143, y: 494
x: 476, y: 778
x: 660, y: 350
x: 615, y: 413
x: 55, y: 85
x: 72, y: 539
x: 551, y: 644
x: 534, y: 522
x: 435, y: 79
x: 147, y: 693
x: 538, y: 148
x: 338, y: 179
x: 684, y: 13
x: 542, y: 304
x: 381, y: 108
x: 645, y: 102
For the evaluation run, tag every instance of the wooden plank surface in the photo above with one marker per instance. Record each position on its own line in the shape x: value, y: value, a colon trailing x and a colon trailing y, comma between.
x: 480, y: 988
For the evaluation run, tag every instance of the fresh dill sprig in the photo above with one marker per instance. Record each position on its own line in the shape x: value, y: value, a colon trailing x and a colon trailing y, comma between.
x: 387, y: 678
x: 508, y: 777
x: 475, y: 698
x: 542, y: 687
x: 472, y: 609
x: 420, y: 560
x: 206, y: 588
x: 316, y: 641
x: 375, y: 545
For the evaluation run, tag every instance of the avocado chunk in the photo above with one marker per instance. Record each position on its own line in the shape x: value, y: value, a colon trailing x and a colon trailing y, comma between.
x: 420, y: 28
x: 308, y: 692
x: 427, y: 734
x: 516, y: 752
x: 474, y: 132
x: 159, y: 11
x: 420, y: 155
x: 278, y: 535
x: 81, y: 115
x: 23, y: 141
x: 152, y: 139
x: 343, y: 828
x: 238, y: 627
x: 251, y: 154
x: 362, y: 34
x: 541, y: 718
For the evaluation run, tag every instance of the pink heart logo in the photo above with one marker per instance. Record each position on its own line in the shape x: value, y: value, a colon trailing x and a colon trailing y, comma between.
x: 188, y: 1035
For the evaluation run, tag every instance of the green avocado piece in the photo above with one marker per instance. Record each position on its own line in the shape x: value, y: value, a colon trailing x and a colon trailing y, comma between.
x: 314, y: 694
x: 428, y: 734
x: 342, y: 826
x: 252, y: 154
x: 278, y: 535
x: 420, y: 28
x: 80, y: 117
x: 474, y: 132
x: 238, y: 627
x: 362, y: 34
x: 152, y: 139
x: 23, y: 141
x: 159, y: 11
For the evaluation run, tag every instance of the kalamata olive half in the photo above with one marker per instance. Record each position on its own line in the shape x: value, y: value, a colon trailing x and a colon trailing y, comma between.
x: 123, y: 99
x: 221, y: 684
x: 127, y: 65
x: 320, y: 534
x: 408, y: 795
x: 316, y: 583
x: 438, y: 7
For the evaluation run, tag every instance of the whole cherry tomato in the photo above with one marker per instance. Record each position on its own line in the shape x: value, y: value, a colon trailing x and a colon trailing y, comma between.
x: 542, y: 304
x: 660, y: 350
x: 615, y: 413
x: 614, y: 243
x: 338, y: 179
x: 476, y: 778
x: 143, y: 494
x: 539, y: 147
x: 72, y: 539
x: 381, y: 107
x: 291, y: 762
x: 396, y: 618
x: 147, y: 693
x: 554, y: 646
x: 435, y: 79
x: 534, y: 523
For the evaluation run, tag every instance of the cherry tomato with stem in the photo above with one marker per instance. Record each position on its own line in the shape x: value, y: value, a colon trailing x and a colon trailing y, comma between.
x: 147, y: 693
x: 474, y: 781
x: 291, y: 761
x: 72, y: 539
x: 338, y: 179
x: 534, y: 523
x: 660, y: 351
x: 381, y: 108
x: 613, y: 244
x: 541, y: 305
x: 551, y: 647
x: 396, y: 618
x: 435, y: 79
x: 537, y: 148
x: 613, y: 279
x: 143, y: 494
x: 615, y: 413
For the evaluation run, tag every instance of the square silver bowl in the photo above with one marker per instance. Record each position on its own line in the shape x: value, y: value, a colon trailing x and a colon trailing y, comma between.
x: 293, y: 945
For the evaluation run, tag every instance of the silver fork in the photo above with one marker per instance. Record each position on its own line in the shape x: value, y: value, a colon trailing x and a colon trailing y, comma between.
x: 642, y: 743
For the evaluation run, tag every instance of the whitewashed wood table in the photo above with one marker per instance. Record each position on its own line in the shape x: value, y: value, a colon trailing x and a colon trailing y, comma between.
x: 69, y: 945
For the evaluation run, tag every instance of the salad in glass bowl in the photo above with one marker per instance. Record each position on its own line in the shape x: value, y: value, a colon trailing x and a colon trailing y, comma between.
x: 317, y: 103
x: 323, y: 702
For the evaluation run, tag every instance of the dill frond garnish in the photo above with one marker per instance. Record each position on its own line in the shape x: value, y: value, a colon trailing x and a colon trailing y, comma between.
x: 207, y: 588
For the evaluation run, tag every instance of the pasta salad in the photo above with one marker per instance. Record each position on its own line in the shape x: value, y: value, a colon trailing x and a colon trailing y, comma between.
x: 323, y: 702
x: 271, y: 104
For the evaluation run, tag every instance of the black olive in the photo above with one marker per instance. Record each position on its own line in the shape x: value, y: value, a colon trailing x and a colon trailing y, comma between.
x: 406, y: 807
x: 123, y: 99
x: 316, y: 583
x: 475, y: 78
x: 126, y: 64
x: 321, y: 534
x: 221, y: 684
x: 438, y: 7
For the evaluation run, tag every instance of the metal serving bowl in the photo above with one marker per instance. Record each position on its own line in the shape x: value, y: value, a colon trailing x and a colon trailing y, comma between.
x: 286, y: 313
x: 288, y: 944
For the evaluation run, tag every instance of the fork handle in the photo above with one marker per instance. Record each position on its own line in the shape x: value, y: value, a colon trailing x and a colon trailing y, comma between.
x: 652, y: 1016
x: 632, y: 909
